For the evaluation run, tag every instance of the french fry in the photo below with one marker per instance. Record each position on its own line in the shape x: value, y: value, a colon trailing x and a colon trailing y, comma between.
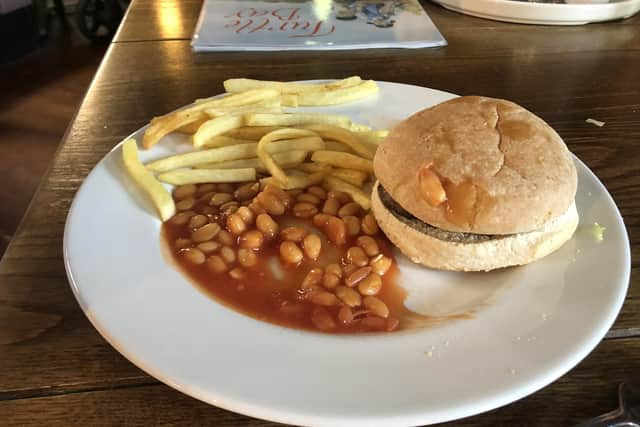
x: 306, y: 143
x: 285, y: 159
x: 338, y: 96
x: 223, y: 141
x: 159, y: 195
x: 267, y: 106
x: 197, y: 176
x: 221, y: 154
x: 373, y: 136
x: 192, y: 127
x: 296, y: 119
x: 242, y: 85
x: 342, y: 160
x: 337, y: 146
x: 251, y: 132
x: 314, y: 167
x: 162, y: 126
x: 351, y: 176
x: 289, y: 100
x: 280, y: 134
x: 215, y: 127
x: 359, y: 196
x: 342, y: 135
x: 359, y: 127
x: 295, y: 181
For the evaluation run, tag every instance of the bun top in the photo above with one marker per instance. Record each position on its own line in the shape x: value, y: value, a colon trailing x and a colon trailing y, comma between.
x: 477, y: 165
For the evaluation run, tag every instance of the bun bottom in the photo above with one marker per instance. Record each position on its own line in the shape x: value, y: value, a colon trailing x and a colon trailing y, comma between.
x: 504, y: 251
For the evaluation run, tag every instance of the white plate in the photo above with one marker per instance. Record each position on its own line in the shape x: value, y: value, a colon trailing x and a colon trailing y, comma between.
x: 573, y: 12
x: 530, y: 326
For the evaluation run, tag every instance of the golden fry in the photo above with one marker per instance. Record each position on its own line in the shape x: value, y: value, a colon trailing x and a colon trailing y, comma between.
x: 338, y: 95
x: 296, y: 119
x: 269, y: 106
x: 192, y: 127
x: 359, y: 127
x: 221, y: 154
x: 215, y: 127
x: 242, y: 85
x: 285, y: 159
x: 159, y: 195
x: 343, y: 160
x: 237, y: 99
x: 373, y: 136
x: 294, y: 181
x: 223, y: 141
x: 198, y: 176
x: 251, y: 132
x: 359, y: 196
x: 342, y: 135
x: 314, y: 167
x: 351, y: 176
x: 280, y: 134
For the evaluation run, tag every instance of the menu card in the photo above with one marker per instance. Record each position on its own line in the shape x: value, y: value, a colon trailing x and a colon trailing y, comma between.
x: 242, y: 25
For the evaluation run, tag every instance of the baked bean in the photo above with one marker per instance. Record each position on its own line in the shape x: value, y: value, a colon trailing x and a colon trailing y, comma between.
x: 238, y: 273
x: 256, y: 207
x: 226, y: 238
x: 353, y: 225
x: 206, y: 188
x: 198, y: 221
x: 182, y: 243
x: 317, y: 191
x: 345, y: 315
x: 375, y: 323
x: 252, y: 239
x: 348, y: 296
x: 225, y: 187
x: 369, y: 245
x: 246, y: 214
x: 294, y: 234
x: 183, y: 191
x: 369, y: 224
x: 320, y: 220
x: 292, y: 309
x: 246, y: 191
x: 219, y: 199
x: 235, y: 224
x: 216, y: 264
x: 207, y: 210
x: 336, y: 231
x: 193, y: 255
x: 312, y: 244
x: 229, y: 207
x: 371, y: 284
x: 357, y: 276
x: 356, y: 256
x: 392, y: 324
x: 339, y: 196
x: 312, y: 279
x: 380, y: 264
x: 290, y: 252
x: 350, y: 209
x: 321, y: 319
x: 267, y: 225
x: 279, y: 193
x: 376, y: 306
x: 181, y: 218
x: 206, y: 232
x: 304, y: 210
x: 349, y: 268
x: 228, y: 254
x: 208, y: 247
x: 308, y: 198
x: 247, y: 258
x: 185, y: 204
x: 325, y: 298
x: 294, y: 193
x: 271, y: 203
x: 331, y: 206
x: 334, y: 269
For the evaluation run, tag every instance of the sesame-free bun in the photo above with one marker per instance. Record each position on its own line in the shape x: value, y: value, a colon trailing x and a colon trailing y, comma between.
x: 505, y: 168
x: 438, y: 249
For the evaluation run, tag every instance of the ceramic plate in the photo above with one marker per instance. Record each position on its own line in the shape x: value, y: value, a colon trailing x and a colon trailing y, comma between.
x: 523, y: 327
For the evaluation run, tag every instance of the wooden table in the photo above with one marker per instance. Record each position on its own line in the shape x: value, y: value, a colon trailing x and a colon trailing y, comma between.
x: 57, y: 370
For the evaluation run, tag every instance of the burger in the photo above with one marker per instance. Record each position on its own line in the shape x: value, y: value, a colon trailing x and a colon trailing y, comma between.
x: 475, y: 184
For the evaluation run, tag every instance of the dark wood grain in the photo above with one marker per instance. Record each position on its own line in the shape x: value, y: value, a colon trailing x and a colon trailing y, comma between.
x: 586, y: 391
x: 47, y: 346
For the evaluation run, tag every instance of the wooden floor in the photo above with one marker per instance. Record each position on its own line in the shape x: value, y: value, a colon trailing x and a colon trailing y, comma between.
x: 39, y: 95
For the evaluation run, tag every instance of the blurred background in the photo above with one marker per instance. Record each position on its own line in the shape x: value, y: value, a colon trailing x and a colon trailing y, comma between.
x: 49, y: 52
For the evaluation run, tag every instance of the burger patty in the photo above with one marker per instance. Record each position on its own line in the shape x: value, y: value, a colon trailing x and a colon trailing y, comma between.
x: 421, y: 226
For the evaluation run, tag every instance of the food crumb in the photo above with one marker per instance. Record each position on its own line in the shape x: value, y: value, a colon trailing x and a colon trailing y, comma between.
x: 598, y: 231
x: 429, y: 353
x: 513, y: 371
x: 595, y: 122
